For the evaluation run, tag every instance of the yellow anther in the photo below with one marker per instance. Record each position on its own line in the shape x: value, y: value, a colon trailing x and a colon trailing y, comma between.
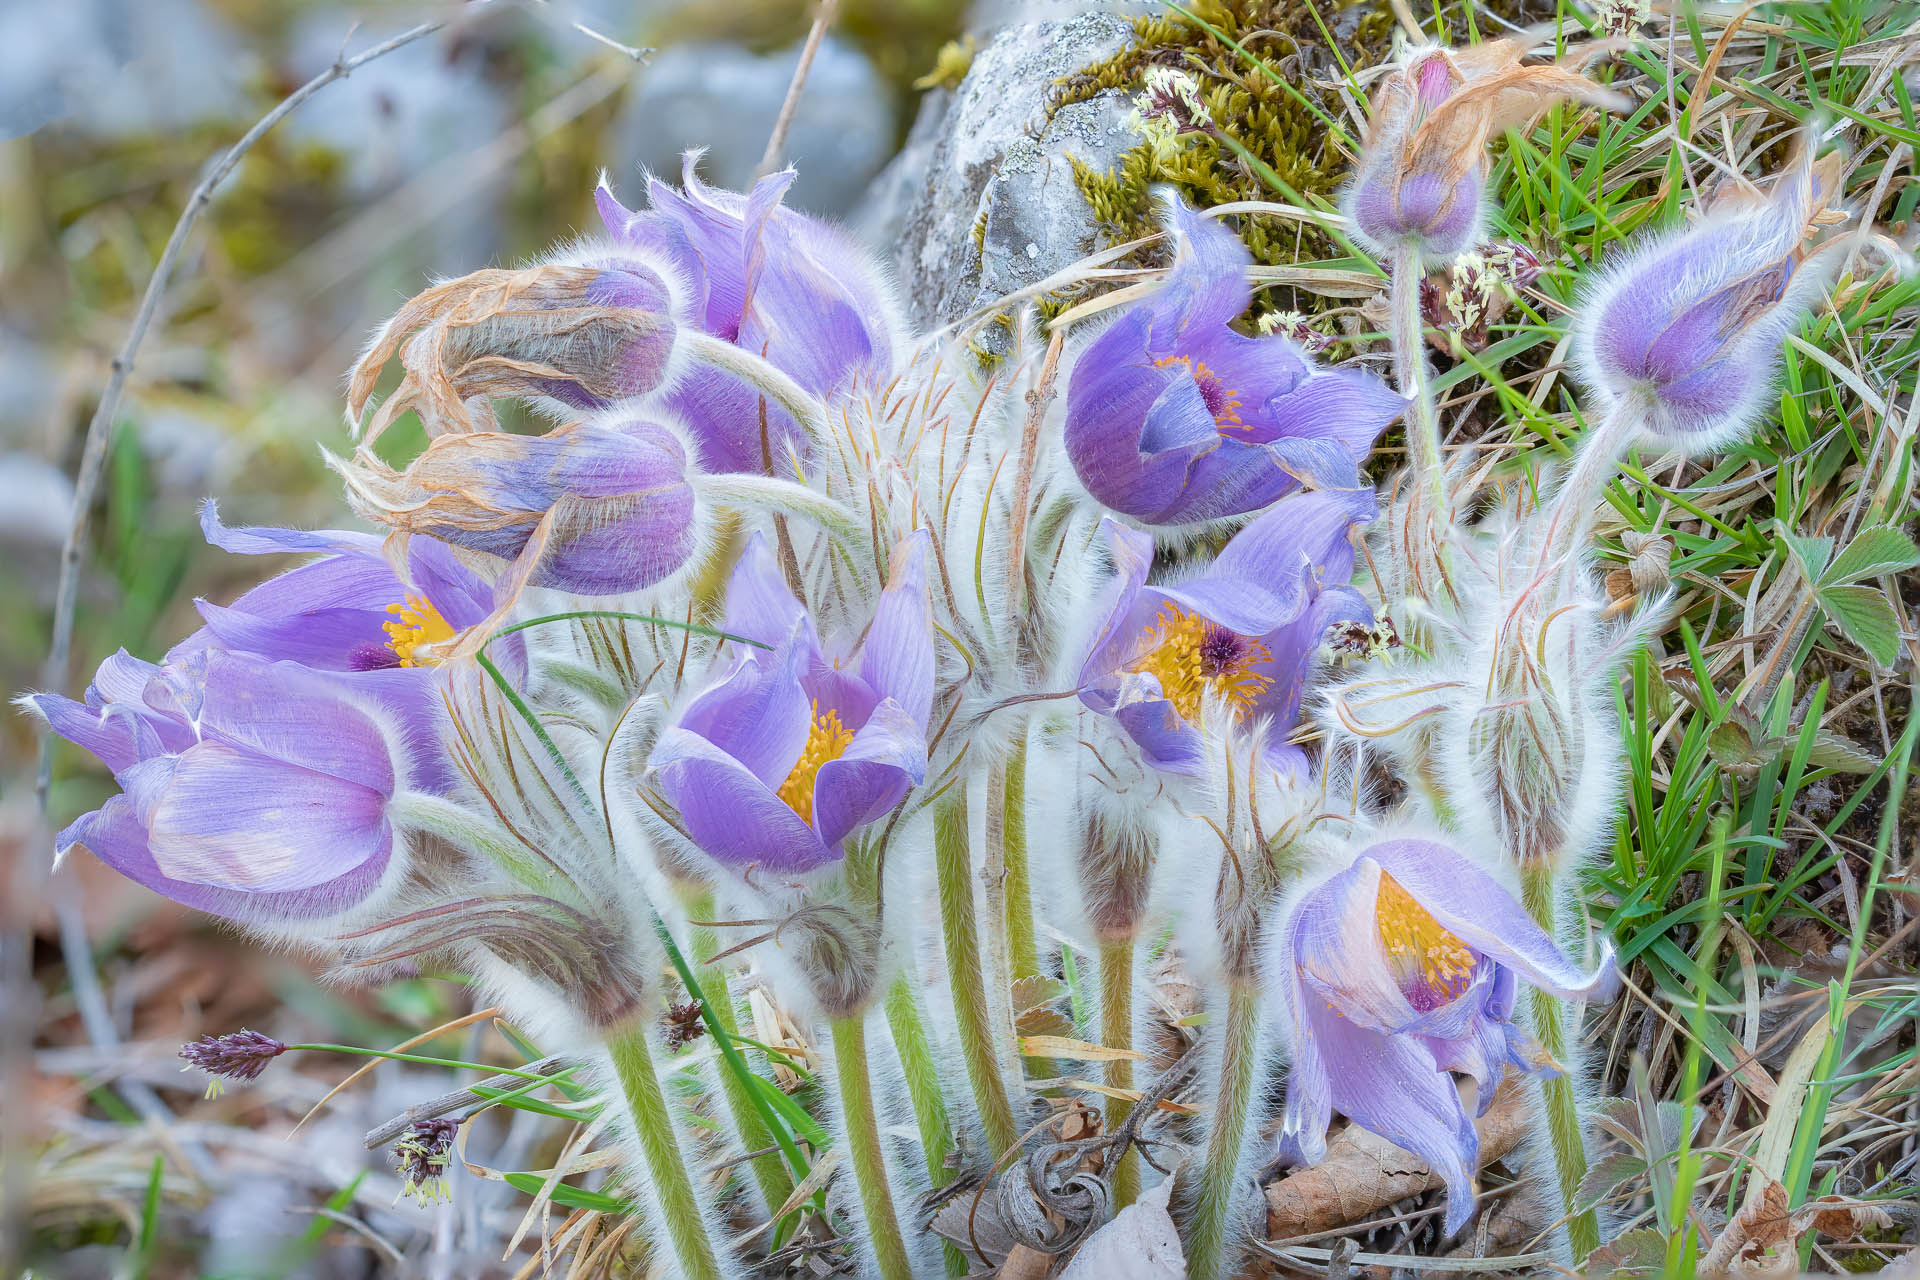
x: 1191, y: 657
x: 1222, y: 401
x: 419, y: 624
x: 1420, y: 948
x: 827, y: 739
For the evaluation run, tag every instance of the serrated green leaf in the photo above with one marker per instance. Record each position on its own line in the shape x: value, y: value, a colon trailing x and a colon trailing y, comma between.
x: 1830, y: 751
x: 1875, y: 550
x: 1811, y: 554
x: 1863, y: 615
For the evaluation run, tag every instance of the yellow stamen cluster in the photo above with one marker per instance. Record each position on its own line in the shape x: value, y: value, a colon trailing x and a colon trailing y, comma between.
x: 1223, y: 402
x: 1418, y: 946
x: 1179, y: 655
x: 417, y: 624
x: 827, y: 739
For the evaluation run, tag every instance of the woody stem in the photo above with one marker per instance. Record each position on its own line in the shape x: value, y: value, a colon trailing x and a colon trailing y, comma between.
x: 1550, y: 1027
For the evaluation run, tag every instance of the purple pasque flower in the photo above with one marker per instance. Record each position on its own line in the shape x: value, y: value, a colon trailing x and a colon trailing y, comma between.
x: 1245, y: 630
x: 597, y: 507
x: 1395, y: 973
x: 786, y: 287
x: 1422, y: 173
x: 348, y: 610
x: 250, y: 789
x: 789, y: 752
x: 1687, y: 328
x: 1174, y: 418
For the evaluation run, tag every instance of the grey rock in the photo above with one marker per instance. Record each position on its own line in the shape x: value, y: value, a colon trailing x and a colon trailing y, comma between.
x: 724, y: 98
x: 999, y: 170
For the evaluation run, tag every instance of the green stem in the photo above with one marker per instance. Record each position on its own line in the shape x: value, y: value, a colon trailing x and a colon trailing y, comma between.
x: 1209, y: 1254
x: 422, y: 1061
x: 923, y: 1089
x: 961, y: 933
x: 1563, y: 1110
x: 1116, y: 1032
x: 863, y: 1147
x: 684, y: 1224
x: 748, y: 1122
x: 1023, y: 950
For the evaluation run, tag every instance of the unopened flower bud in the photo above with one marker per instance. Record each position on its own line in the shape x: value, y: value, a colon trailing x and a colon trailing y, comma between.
x: 1687, y: 329
x: 238, y: 1055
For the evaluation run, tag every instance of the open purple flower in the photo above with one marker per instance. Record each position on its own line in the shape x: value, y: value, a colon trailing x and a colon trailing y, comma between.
x: 1395, y: 973
x: 1174, y: 418
x: 599, y: 507
x: 253, y: 790
x: 347, y: 610
x: 790, y: 752
x: 1688, y: 328
x: 1244, y: 631
x: 783, y: 286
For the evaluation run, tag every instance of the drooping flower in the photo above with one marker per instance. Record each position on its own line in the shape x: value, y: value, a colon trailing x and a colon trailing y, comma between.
x: 1244, y: 631
x: 1395, y: 973
x: 1423, y: 164
x: 254, y: 790
x: 238, y: 1055
x: 588, y: 328
x: 1688, y: 327
x: 790, y: 752
x: 1174, y: 418
x: 598, y: 507
x: 789, y: 288
x: 348, y: 610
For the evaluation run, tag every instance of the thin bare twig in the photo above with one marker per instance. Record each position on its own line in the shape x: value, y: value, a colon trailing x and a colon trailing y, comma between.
x: 777, y: 141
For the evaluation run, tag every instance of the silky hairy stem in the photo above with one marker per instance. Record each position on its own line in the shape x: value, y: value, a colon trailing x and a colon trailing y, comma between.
x: 768, y: 1170
x: 684, y: 1225
x: 1116, y: 1032
x: 923, y: 1091
x: 960, y: 932
x: 1562, y: 1107
x: 1023, y: 950
x: 1209, y: 1253
x: 864, y: 1152
x: 1410, y: 374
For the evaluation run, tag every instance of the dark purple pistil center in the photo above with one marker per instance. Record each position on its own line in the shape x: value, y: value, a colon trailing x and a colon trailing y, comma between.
x: 1221, y: 650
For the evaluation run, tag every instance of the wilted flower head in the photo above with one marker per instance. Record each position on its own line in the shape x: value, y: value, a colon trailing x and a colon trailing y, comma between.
x: 1244, y: 631
x: 238, y: 1055
x: 790, y: 752
x: 588, y: 328
x: 1394, y: 974
x: 1174, y: 418
x: 1295, y: 327
x: 348, y: 610
x: 599, y: 507
x: 791, y: 289
x: 1474, y: 291
x: 254, y: 790
x: 1688, y: 327
x: 421, y: 1156
x: 1422, y: 169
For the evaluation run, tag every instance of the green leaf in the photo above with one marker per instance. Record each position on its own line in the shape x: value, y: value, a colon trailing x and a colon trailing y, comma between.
x: 1876, y: 550
x: 1863, y: 615
x: 1812, y: 554
x: 571, y: 1197
x: 1831, y: 751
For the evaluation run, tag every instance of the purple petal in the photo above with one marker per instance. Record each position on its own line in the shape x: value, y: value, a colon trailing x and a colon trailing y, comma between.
x: 760, y: 604
x: 1132, y: 555
x: 1207, y: 287
x: 284, y: 712
x: 272, y: 542
x: 885, y: 759
x: 1338, y: 949
x: 733, y: 816
x: 1166, y: 742
x: 759, y: 714
x: 896, y: 661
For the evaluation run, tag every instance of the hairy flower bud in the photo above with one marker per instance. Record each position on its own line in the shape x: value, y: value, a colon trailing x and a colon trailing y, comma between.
x: 1423, y: 164
x: 1686, y: 329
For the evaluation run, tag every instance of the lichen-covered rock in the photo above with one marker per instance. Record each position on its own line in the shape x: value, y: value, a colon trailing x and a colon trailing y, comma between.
x: 994, y: 205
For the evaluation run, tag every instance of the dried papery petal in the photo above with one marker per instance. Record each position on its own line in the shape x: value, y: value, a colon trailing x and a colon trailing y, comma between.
x: 584, y: 333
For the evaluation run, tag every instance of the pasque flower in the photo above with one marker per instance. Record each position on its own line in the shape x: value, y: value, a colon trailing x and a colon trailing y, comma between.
x: 789, y: 288
x: 1244, y: 630
x: 789, y: 752
x: 348, y: 609
x: 253, y: 790
x: 1395, y: 973
x: 1689, y: 325
x: 1422, y: 170
x: 598, y: 507
x: 1175, y: 418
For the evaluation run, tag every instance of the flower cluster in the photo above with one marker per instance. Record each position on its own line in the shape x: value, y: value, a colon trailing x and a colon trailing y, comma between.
x: 790, y: 622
